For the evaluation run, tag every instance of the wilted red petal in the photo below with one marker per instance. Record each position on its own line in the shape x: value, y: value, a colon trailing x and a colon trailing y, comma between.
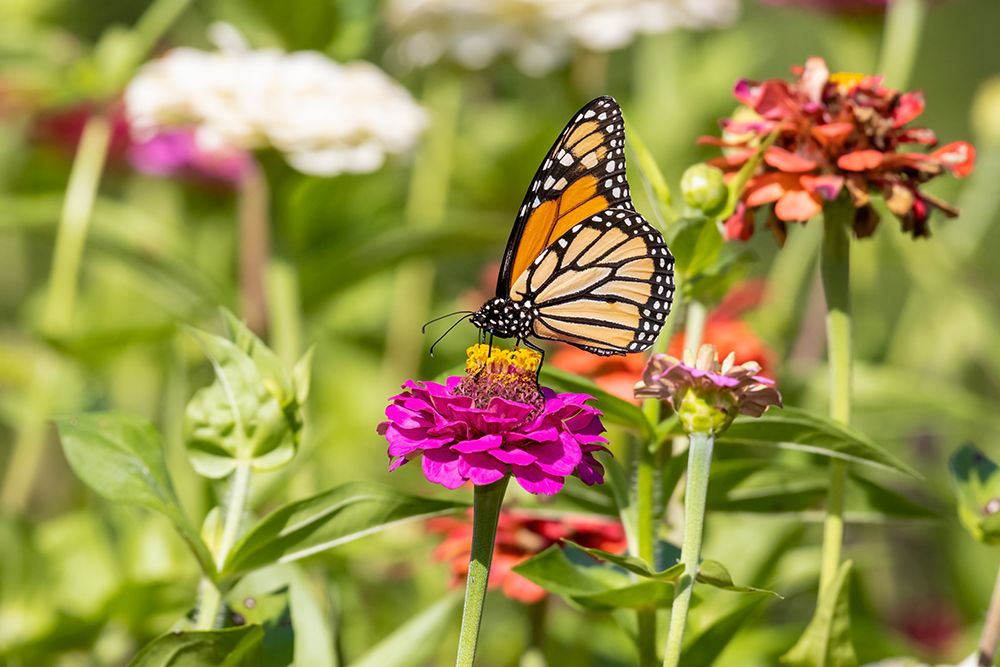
x: 917, y: 135
x: 746, y: 92
x: 797, y: 205
x: 735, y: 158
x: 923, y: 162
x: 788, y: 162
x: 958, y: 157
x: 833, y: 134
x: 827, y: 186
x: 860, y: 160
x: 909, y: 106
x: 775, y: 101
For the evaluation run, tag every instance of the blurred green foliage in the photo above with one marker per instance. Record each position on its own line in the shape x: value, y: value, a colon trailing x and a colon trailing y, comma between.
x: 87, y: 582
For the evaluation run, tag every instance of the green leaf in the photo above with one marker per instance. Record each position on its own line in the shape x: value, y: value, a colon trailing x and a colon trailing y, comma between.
x: 120, y: 457
x: 614, y: 409
x: 232, y: 647
x: 792, y: 428
x: 764, y: 487
x: 633, y: 564
x: 883, y: 502
x: 414, y: 643
x: 592, y: 585
x: 827, y: 640
x: 703, y: 649
x: 715, y: 574
x: 976, y: 478
x: 250, y: 414
x: 327, y: 520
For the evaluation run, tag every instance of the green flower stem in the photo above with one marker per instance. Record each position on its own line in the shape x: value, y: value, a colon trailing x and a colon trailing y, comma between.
x: 694, y: 325
x: 645, y: 497
x: 835, y: 273
x: 991, y: 629
x: 285, y: 313
x: 425, y: 210
x: 71, y: 236
x: 904, y: 22
x: 486, y: 515
x: 254, y: 248
x: 699, y: 465
x: 234, y: 507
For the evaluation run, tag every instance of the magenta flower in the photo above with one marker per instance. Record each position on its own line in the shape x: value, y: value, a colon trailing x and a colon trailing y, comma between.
x: 491, y: 422
x: 175, y: 153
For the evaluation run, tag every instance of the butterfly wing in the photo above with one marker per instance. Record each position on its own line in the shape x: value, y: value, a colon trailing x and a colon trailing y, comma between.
x: 582, y: 174
x: 605, y: 285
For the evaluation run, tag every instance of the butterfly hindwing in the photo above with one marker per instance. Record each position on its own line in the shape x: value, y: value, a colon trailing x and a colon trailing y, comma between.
x: 583, y: 174
x: 605, y: 285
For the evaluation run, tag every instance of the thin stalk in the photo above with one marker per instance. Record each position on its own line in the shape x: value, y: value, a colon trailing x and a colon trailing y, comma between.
x: 835, y: 273
x: 645, y: 493
x: 235, y: 505
x: 254, y: 248
x: 534, y: 653
x: 904, y: 22
x: 699, y: 465
x: 694, y: 325
x: 285, y: 325
x: 71, y: 235
x: 991, y: 629
x: 486, y: 515
x: 425, y: 210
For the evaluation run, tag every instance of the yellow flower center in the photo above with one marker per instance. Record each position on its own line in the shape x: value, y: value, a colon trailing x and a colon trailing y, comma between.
x: 512, y: 363
x: 846, y: 81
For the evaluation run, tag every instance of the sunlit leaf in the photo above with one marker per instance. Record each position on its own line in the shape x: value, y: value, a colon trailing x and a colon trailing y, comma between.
x: 792, y: 428
x: 233, y: 647
x: 827, y: 639
x: 121, y: 458
x: 415, y: 641
x: 327, y: 520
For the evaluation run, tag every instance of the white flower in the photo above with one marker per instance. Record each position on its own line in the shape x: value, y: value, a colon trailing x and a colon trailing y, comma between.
x: 325, y: 117
x: 538, y: 34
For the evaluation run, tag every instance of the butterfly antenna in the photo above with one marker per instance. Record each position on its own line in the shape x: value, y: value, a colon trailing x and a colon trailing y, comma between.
x: 448, y: 331
x: 423, y: 329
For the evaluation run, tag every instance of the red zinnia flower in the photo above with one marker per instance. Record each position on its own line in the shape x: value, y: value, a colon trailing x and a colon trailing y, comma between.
x: 521, y: 535
x: 837, y: 133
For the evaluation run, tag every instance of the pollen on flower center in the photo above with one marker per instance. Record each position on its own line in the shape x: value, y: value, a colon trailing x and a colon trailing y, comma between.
x: 846, y: 81
x: 494, y: 372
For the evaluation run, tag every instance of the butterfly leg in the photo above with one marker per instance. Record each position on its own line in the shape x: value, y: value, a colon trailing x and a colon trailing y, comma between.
x: 538, y: 371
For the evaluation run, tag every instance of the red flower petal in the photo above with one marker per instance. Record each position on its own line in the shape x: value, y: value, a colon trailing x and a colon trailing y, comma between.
x: 827, y: 187
x: 739, y: 225
x: 768, y: 188
x: 797, y: 205
x: 909, y: 106
x: 788, y: 162
x: 832, y: 133
x: 860, y: 160
x: 735, y: 158
x: 958, y: 157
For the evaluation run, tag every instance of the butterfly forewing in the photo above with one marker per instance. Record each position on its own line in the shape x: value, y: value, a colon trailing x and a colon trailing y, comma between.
x: 605, y: 285
x: 582, y: 175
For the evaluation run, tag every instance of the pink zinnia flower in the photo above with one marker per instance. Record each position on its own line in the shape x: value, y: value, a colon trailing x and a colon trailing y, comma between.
x: 521, y: 535
x: 175, y: 153
x: 705, y: 394
x: 838, y: 135
x: 492, y: 422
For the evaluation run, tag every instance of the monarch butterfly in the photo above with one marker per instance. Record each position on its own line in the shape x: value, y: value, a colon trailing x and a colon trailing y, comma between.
x: 581, y: 265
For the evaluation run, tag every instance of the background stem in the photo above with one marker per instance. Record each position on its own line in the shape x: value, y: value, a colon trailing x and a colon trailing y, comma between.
x: 254, y: 248
x: 486, y: 515
x: 699, y: 466
x: 694, y: 325
x: 904, y: 21
x: 991, y: 629
x: 835, y: 273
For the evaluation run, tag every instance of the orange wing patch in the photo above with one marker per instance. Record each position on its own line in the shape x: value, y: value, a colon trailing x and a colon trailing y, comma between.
x: 553, y: 218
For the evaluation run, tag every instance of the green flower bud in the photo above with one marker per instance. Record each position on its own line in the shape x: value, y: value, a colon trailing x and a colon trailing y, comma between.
x: 697, y: 415
x: 704, y: 188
